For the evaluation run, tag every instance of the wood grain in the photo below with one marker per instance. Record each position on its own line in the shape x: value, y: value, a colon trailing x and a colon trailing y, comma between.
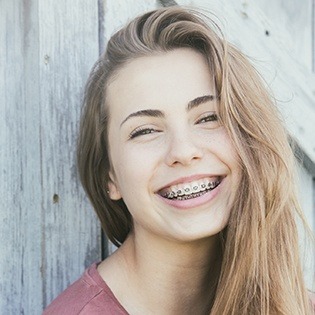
x: 68, y: 48
x: 49, y: 233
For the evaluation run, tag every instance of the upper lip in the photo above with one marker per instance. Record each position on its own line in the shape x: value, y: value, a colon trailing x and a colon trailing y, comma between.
x: 189, y: 179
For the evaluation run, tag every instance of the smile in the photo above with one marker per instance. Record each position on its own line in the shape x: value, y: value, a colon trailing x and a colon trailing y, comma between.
x: 190, y: 190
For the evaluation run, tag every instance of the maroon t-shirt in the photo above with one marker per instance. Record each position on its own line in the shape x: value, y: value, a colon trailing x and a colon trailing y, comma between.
x: 89, y: 295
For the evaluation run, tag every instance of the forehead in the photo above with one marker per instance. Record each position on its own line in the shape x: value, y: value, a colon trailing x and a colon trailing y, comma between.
x: 161, y: 80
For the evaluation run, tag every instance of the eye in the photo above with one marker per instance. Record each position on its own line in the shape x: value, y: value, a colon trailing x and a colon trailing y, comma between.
x: 141, y: 131
x: 208, y: 117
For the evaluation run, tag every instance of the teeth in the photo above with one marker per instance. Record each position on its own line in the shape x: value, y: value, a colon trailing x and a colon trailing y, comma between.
x: 203, y: 187
x: 187, y: 190
x: 194, y: 188
x: 171, y: 195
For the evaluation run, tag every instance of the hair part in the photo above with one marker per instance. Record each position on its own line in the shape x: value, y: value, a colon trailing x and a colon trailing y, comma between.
x: 261, y: 271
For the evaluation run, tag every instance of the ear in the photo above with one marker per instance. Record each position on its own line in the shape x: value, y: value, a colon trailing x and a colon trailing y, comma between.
x: 113, y: 190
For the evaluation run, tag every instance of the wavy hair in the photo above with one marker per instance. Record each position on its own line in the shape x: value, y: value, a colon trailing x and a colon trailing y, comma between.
x: 260, y: 271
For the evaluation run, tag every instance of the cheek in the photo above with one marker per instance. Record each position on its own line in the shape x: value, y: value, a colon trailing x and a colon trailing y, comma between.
x: 221, y: 145
x: 134, y: 168
x: 229, y: 148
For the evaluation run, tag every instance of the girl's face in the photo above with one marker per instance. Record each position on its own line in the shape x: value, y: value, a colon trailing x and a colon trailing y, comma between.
x: 172, y: 162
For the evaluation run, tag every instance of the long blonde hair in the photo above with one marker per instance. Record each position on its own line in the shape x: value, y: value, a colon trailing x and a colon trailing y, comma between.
x: 261, y: 270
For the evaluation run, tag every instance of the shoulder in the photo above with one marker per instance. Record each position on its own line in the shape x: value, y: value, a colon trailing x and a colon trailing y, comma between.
x: 88, y: 295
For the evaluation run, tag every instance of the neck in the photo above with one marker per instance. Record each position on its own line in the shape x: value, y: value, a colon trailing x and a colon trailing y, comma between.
x: 171, y: 277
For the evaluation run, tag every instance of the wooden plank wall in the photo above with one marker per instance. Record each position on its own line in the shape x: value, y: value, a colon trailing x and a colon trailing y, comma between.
x: 293, y: 22
x: 48, y: 232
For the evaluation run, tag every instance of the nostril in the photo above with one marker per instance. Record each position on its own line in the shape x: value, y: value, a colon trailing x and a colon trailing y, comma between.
x: 183, y: 149
x: 184, y: 159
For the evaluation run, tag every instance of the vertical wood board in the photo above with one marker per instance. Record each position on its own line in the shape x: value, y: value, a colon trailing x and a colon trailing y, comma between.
x: 48, y: 230
x: 117, y: 13
x: 20, y: 160
x: 68, y: 48
x: 292, y: 22
x: 306, y: 196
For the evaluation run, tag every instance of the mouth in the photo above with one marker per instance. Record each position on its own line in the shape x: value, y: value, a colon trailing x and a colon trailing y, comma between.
x: 191, y: 190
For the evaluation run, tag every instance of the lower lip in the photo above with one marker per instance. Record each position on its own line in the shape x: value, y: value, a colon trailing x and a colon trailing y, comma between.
x: 193, y: 202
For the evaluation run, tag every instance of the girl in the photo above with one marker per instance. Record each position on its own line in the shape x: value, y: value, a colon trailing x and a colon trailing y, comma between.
x: 185, y: 160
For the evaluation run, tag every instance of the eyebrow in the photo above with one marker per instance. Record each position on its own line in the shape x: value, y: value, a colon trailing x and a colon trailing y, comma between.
x: 199, y: 100
x: 157, y: 113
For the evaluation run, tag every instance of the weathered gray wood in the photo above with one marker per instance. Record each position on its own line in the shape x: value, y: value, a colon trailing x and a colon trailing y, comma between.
x: 20, y: 160
x: 313, y: 37
x: 307, y: 195
x: 68, y: 48
x: 292, y: 22
x: 117, y: 13
x: 48, y: 233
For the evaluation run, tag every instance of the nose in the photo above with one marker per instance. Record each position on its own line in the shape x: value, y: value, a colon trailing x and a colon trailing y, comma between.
x: 183, y: 149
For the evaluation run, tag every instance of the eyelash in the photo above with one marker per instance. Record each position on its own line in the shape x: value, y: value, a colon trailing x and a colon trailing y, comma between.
x: 208, y: 118
x: 141, y: 131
